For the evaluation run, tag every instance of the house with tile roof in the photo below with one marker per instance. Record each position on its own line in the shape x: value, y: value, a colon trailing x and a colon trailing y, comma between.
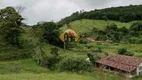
x: 121, y: 63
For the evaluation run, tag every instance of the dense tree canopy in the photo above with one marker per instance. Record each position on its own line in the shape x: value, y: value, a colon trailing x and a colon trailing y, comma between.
x: 10, y: 22
x: 123, y: 14
x: 50, y: 32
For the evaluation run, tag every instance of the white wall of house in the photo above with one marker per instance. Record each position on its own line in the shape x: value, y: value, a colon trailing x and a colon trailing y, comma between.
x: 139, y: 70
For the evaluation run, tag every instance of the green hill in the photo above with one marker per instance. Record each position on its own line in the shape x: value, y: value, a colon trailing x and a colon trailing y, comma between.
x: 26, y: 61
x: 122, y: 13
x: 86, y: 25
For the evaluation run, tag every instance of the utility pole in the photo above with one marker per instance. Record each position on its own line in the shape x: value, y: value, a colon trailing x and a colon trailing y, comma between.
x: 64, y: 45
x: 65, y: 39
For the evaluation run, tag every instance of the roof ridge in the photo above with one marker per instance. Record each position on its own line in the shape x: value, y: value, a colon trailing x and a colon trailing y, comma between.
x: 128, y: 56
x: 122, y: 63
x: 107, y: 58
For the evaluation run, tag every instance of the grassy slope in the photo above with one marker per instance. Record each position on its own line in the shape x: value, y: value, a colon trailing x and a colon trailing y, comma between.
x: 21, y: 66
x: 43, y: 76
x: 29, y: 70
x: 85, y: 25
x: 113, y: 48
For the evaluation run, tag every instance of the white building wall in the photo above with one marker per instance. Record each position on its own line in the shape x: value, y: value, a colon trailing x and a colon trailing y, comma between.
x: 139, y: 70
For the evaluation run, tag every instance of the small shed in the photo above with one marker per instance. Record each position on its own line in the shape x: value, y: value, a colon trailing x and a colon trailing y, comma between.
x: 121, y: 63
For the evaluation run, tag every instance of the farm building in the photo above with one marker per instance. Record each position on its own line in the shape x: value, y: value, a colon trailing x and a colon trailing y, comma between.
x: 132, y: 66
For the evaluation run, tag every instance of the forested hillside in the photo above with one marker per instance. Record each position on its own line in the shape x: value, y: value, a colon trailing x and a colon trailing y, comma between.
x: 123, y: 14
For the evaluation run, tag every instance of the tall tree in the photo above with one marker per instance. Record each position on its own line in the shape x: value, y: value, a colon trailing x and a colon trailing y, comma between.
x: 51, y: 32
x: 10, y: 22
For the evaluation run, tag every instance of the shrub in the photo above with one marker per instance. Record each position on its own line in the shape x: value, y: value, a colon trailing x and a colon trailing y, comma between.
x: 94, y: 30
x: 50, y: 61
x: 111, y: 27
x: 24, y: 55
x: 138, y: 55
x: 83, y: 41
x: 136, y: 26
x: 92, y: 58
x: 135, y: 40
x: 54, y: 51
x: 98, y: 43
x: 122, y: 51
x: 87, y: 34
x: 70, y: 45
x: 17, y: 55
x: 140, y: 40
x: 75, y: 65
x: 129, y: 53
x: 98, y: 49
x: 106, y: 54
x: 13, y: 37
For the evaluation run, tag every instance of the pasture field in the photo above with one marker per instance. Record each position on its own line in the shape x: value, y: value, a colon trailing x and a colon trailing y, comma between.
x: 28, y: 70
x: 86, y: 25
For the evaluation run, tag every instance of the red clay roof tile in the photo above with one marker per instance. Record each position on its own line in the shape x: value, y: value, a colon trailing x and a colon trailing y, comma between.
x: 122, y: 62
